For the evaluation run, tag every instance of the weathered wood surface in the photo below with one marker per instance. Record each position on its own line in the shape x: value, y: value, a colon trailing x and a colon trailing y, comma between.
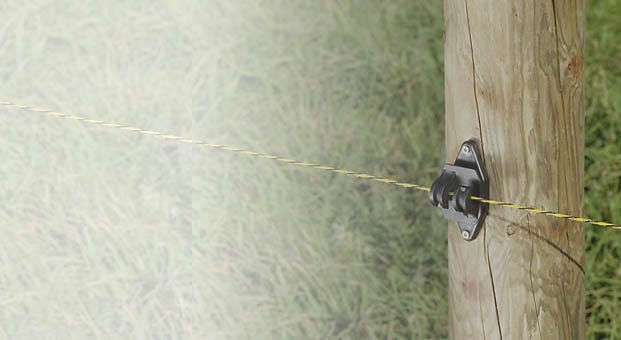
x: 513, y: 80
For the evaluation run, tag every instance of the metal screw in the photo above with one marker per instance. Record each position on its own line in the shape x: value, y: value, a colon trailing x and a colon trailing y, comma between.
x: 465, y: 234
x: 466, y: 149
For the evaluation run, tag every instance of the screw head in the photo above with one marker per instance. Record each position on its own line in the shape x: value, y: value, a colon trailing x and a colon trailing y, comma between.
x: 465, y: 234
x: 466, y: 148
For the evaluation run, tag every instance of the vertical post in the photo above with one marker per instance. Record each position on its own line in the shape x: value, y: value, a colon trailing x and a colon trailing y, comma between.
x: 513, y: 81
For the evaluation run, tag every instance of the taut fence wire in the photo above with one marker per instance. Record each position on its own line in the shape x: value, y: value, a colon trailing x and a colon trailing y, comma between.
x: 250, y: 153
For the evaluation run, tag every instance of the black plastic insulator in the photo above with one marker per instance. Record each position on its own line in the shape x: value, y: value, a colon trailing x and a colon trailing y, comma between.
x: 453, y: 189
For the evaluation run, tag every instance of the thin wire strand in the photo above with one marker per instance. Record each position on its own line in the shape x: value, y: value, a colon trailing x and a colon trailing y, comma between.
x: 279, y: 159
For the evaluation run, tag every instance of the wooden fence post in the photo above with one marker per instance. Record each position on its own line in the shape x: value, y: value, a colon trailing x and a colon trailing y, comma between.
x: 513, y: 81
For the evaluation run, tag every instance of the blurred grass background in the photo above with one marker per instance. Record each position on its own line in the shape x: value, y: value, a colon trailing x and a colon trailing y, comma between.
x: 108, y: 235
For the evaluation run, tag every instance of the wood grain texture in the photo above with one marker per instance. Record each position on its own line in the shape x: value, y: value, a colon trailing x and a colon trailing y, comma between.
x: 513, y: 80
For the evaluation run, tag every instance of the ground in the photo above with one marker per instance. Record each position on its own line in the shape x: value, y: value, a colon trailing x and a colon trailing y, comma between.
x: 107, y: 234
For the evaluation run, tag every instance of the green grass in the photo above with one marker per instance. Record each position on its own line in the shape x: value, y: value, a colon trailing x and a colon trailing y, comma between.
x: 303, y: 254
x: 104, y: 234
x: 603, y: 168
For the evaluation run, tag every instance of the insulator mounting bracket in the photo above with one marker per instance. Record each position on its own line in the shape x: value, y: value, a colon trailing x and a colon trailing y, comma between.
x: 452, y: 190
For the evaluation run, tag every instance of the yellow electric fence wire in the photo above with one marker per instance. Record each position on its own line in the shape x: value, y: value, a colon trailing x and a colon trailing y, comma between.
x: 299, y: 163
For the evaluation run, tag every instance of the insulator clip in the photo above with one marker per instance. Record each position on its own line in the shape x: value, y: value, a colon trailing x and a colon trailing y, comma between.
x: 451, y: 191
